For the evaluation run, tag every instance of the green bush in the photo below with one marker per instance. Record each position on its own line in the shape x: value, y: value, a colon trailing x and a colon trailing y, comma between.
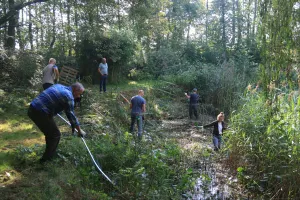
x: 17, y: 69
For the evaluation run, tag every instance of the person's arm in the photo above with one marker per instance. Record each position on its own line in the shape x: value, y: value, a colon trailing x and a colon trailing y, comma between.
x: 99, y: 69
x: 209, y: 125
x: 144, y: 108
x: 187, y: 96
x: 56, y: 73
x: 72, y: 118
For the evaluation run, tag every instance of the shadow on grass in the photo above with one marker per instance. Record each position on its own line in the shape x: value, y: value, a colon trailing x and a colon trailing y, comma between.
x: 26, y: 137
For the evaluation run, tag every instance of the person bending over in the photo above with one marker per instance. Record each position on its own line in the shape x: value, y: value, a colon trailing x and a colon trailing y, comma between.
x: 45, y: 106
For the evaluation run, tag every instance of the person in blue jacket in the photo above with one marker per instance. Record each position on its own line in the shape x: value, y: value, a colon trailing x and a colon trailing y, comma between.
x: 48, y: 104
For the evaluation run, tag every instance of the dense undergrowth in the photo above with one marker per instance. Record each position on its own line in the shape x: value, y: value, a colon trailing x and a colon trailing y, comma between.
x: 264, y: 144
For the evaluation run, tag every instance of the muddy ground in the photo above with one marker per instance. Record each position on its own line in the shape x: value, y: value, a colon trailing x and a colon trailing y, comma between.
x: 215, y: 181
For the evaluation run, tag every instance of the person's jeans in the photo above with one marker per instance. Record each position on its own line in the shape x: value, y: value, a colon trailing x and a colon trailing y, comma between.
x: 47, y: 125
x: 193, y: 110
x: 136, y: 117
x: 103, y: 79
x: 217, y: 142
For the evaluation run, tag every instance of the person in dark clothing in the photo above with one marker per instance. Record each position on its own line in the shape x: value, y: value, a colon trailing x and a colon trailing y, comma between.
x: 218, y: 128
x: 194, y: 99
x: 138, y: 107
x: 50, y: 102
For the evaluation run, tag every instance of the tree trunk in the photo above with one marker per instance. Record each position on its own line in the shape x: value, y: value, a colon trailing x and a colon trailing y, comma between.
x: 76, y: 28
x: 12, y: 23
x: 233, y: 23
x: 239, y: 21
x: 63, y: 40
x: 69, y: 28
x: 248, y: 22
x: 206, y: 23
x: 254, y: 18
x: 53, y: 26
x: 3, y: 36
x: 20, y: 39
x: 37, y: 30
x: 223, y: 29
x: 30, y: 28
x: 42, y: 29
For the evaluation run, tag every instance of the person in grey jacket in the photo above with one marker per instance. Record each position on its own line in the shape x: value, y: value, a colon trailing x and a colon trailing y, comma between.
x: 218, y: 128
x: 50, y: 74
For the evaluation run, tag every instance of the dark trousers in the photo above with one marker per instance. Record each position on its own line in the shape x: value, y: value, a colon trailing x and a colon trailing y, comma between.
x: 47, y: 85
x: 193, y: 110
x: 103, y: 79
x: 47, y: 125
x: 137, y: 118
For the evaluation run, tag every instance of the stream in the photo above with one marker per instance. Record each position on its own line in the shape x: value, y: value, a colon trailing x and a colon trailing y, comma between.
x: 214, y: 182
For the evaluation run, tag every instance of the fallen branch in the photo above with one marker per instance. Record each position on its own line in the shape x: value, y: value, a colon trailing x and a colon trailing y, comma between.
x: 124, y: 98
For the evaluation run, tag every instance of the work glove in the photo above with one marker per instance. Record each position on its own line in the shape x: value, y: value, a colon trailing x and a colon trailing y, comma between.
x: 81, y: 133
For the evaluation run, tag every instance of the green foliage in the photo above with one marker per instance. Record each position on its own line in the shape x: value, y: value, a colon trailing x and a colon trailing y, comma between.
x: 279, y: 42
x: 264, y: 144
x: 117, y: 47
x: 18, y: 68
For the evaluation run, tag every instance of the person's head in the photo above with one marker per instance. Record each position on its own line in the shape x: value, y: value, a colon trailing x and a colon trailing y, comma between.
x: 195, y: 90
x: 103, y: 60
x: 141, y: 92
x: 52, y: 61
x: 220, y: 117
x: 77, y: 90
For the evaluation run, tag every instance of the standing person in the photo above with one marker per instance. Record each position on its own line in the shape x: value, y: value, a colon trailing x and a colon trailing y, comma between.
x: 50, y: 74
x: 138, y: 107
x: 103, y: 70
x: 50, y: 102
x: 219, y: 127
x: 194, y: 99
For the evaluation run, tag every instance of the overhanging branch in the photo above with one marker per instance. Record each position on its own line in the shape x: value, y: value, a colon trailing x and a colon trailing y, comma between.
x: 18, y: 7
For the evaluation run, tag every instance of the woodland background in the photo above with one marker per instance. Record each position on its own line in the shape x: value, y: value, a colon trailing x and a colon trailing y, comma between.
x: 242, y: 55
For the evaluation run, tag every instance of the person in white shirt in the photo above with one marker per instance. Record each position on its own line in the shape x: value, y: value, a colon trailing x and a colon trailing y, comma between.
x: 219, y: 127
x: 103, y: 71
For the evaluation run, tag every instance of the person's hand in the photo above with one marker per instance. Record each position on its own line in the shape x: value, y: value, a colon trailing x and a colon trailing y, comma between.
x: 185, y: 93
x: 81, y: 133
